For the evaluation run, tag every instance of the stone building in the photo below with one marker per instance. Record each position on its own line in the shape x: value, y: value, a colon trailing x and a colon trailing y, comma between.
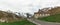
x: 47, y: 12
x: 41, y: 13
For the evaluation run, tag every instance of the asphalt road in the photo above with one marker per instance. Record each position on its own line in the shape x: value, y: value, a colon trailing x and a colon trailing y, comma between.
x: 38, y: 22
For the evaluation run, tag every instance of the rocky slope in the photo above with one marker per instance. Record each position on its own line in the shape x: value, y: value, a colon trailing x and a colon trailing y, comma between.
x: 9, y: 17
x: 52, y: 11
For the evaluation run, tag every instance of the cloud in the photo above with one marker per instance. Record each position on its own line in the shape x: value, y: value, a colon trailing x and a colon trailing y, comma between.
x: 49, y: 3
x: 25, y: 6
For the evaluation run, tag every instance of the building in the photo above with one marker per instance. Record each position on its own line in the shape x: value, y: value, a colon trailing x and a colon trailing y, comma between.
x: 47, y: 12
x: 41, y: 13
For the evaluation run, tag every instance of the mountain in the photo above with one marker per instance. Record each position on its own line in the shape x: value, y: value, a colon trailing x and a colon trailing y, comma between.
x: 52, y: 10
x: 55, y: 10
x: 9, y: 16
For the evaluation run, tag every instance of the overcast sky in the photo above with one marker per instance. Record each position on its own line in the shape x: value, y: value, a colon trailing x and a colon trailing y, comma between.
x: 25, y: 6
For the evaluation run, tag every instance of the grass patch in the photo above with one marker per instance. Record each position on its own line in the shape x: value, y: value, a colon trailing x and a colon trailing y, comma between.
x: 23, y: 22
x: 52, y: 18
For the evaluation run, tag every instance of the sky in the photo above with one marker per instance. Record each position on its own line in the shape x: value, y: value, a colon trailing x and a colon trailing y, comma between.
x: 27, y: 6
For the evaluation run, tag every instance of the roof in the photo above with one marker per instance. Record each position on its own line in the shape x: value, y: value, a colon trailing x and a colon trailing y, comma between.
x: 42, y: 12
